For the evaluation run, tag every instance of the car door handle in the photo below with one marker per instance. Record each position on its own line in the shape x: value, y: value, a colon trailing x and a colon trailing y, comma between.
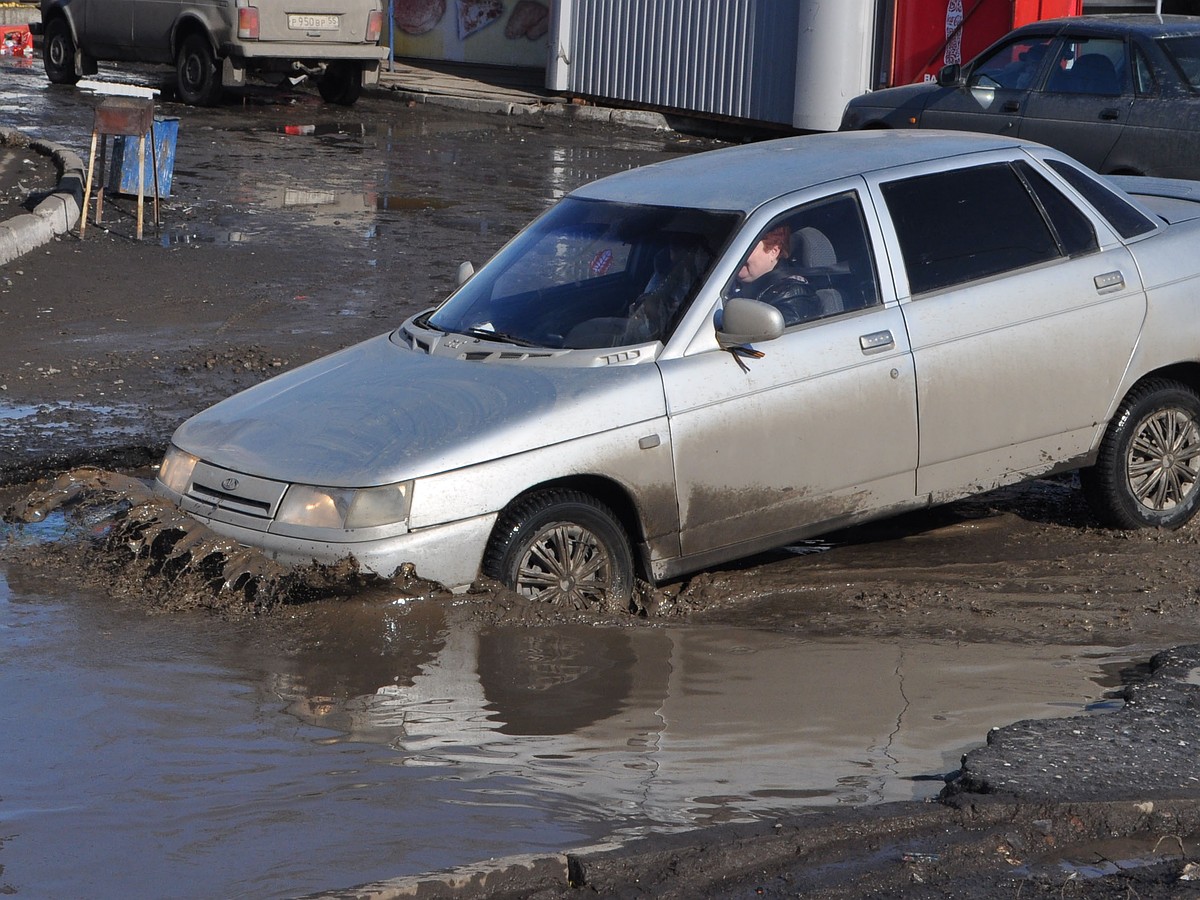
x: 1109, y: 281
x: 876, y: 341
x: 1011, y: 106
x: 1110, y: 114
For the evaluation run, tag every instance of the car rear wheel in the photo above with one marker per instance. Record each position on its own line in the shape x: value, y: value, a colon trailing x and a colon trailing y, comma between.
x: 341, y: 83
x: 562, y: 547
x: 1147, y: 473
x: 198, y: 80
x: 58, y: 53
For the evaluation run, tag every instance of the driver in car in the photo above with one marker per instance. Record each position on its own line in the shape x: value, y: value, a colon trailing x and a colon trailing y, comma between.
x: 766, y: 276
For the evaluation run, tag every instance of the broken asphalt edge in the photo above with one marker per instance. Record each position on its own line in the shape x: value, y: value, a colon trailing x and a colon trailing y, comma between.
x: 55, y: 214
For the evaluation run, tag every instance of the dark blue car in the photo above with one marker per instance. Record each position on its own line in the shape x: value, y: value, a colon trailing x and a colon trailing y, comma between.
x: 1119, y: 93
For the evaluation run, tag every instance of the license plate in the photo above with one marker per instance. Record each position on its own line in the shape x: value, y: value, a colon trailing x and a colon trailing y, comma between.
x: 299, y: 22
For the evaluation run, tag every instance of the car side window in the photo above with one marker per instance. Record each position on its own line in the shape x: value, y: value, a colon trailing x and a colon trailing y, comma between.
x: 1123, y: 217
x: 1184, y: 53
x: 812, y: 262
x: 1074, y: 230
x: 1088, y: 66
x: 1143, y: 74
x: 1014, y: 66
x: 967, y: 224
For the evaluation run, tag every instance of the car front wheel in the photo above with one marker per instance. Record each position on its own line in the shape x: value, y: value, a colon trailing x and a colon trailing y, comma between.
x: 562, y: 547
x: 198, y: 80
x: 1147, y: 473
x: 341, y: 83
x: 58, y: 53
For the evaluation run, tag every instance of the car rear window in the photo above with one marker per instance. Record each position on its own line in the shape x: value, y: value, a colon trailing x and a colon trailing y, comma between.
x: 1119, y: 213
x: 967, y: 224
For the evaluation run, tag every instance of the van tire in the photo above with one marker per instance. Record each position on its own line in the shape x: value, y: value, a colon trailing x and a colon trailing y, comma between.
x: 198, y: 80
x: 341, y: 83
x: 58, y: 52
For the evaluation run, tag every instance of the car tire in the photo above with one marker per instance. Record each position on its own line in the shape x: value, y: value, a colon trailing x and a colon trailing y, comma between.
x: 341, y: 83
x: 58, y: 52
x: 562, y: 547
x: 197, y: 78
x: 1147, y: 473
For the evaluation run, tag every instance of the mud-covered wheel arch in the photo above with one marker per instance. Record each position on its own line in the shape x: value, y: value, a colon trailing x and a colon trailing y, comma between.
x: 1147, y: 471
x: 565, y: 546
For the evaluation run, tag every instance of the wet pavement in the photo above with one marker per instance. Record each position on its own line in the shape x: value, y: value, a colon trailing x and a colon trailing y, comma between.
x: 422, y: 731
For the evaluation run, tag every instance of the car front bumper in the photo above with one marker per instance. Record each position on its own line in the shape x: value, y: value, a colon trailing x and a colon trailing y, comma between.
x: 449, y: 554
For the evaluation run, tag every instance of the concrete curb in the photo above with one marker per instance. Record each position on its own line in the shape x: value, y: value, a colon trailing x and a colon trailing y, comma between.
x: 57, y: 213
x: 630, y: 118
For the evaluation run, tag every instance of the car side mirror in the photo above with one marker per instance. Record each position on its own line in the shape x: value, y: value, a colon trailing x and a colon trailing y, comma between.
x: 949, y: 76
x: 745, y: 321
x: 465, y: 271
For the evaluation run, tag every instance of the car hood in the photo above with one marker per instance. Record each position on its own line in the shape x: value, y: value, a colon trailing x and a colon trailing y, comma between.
x: 909, y: 98
x: 379, y: 412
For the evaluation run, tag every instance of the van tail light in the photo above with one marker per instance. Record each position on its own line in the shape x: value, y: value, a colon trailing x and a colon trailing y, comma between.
x: 374, y: 26
x: 248, y: 23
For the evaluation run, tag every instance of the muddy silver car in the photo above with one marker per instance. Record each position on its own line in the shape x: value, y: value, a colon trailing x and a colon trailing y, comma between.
x: 693, y: 361
x: 213, y: 45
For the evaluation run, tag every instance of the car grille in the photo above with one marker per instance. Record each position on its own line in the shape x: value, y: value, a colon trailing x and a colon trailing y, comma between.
x: 225, y: 489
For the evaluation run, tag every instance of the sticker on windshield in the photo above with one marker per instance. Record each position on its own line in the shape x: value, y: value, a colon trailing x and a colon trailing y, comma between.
x: 601, y: 262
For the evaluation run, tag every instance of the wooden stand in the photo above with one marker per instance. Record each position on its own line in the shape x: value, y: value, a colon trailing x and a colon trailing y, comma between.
x: 130, y: 117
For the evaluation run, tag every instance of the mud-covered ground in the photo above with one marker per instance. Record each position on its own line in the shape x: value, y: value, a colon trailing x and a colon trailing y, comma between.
x: 108, y: 343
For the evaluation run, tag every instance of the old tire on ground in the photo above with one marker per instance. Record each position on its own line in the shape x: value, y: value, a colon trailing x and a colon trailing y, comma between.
x: 562, y: 547
x: 58, y: 52
x: 341, y: 83
x: 1147, y: 474
x: 197, y: 78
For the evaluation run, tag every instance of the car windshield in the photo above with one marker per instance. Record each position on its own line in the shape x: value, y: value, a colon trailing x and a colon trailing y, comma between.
x: 1185, y: 53
x: 591, y: 274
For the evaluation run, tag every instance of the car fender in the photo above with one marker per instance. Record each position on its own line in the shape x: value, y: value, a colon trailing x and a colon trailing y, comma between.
x: 1170, y: 334
x: 191, y: 23
x: 634, y: 461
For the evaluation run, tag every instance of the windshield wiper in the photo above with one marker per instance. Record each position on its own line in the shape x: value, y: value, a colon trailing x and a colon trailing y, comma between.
x: 488, y: 334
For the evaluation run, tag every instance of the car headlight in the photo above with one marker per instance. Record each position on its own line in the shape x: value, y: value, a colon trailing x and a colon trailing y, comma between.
x: 327, y: 507
x: 176, y: 469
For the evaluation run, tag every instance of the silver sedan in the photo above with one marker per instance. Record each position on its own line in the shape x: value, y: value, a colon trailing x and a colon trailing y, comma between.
x: 694, y: 361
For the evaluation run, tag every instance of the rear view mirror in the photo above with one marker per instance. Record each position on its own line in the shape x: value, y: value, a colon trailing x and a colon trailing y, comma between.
x: 949, y: 76
x: 745, y: 321
x: 465, y: 271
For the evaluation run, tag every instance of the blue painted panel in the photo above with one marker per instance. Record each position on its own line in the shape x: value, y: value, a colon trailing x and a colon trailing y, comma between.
x: 123, y: 173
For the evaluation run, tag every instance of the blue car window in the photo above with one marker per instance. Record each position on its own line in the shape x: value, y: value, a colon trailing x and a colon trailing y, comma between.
x: 1088, y: 66
x: 1184, y: 53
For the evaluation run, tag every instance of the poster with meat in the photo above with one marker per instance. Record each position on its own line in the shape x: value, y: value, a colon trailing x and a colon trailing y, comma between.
x: 489, y: 32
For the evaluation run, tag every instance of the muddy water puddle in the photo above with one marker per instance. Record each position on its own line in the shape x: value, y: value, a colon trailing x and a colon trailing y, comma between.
x: 349, y: 741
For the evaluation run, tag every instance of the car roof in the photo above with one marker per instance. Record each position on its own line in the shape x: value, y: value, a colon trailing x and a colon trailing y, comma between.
x: 743, y: 178
x: 1149, y: 26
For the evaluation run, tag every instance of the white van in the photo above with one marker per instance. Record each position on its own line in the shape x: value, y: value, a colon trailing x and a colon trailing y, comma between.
x: 215, y: 43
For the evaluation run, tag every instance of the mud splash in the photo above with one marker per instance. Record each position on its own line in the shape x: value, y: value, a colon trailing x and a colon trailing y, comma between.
x: 148, y: 551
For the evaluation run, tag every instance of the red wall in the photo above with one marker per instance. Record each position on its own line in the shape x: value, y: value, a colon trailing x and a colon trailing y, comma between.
x: 924, y: 36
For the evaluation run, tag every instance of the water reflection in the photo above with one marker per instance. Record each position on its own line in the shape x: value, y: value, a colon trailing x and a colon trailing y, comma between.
x: 694, y: 726
x: 357, y: 741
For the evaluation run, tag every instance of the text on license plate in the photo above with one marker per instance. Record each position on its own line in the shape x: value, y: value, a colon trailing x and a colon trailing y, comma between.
x: 312, y: 23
